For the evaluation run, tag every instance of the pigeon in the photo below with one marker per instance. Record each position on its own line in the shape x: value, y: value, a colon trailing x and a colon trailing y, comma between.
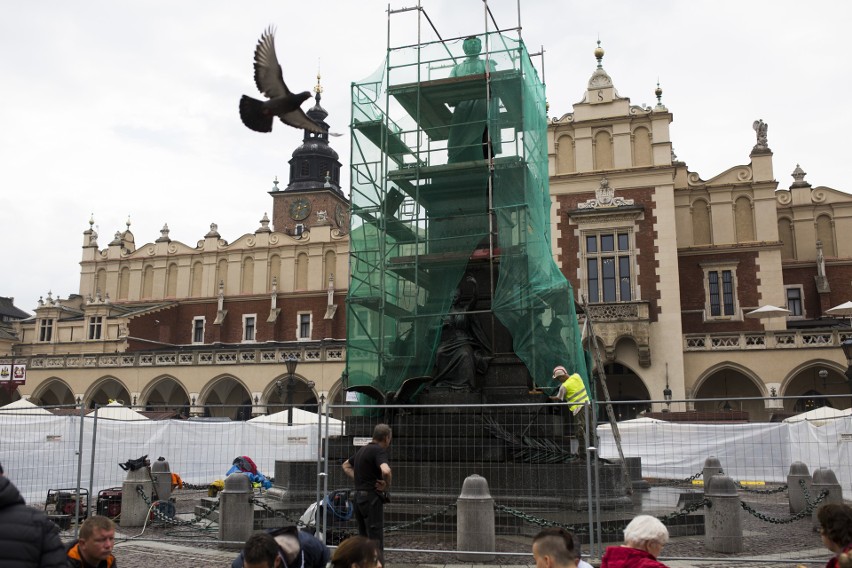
x: 258, y: 115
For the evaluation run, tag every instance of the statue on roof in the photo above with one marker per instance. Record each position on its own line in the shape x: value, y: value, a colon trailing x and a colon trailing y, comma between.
x: 760, y: 129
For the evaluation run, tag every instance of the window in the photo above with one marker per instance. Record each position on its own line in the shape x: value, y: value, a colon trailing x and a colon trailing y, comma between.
x: 198, y: 330
x: 298, y: 230
x: 249, y: 329
x: 95, y: 325
x: 609, y: 262
x: 794, y: 301
x: 304, y: 331
x: 720, y: 288
x: 45, y: 330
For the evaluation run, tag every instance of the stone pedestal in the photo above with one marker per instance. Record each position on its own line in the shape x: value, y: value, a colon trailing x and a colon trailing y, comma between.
x: 134, y: 509
x: 236, y: 512
x: 723, y: 523
x: 798, y: 472
x: 475, y: 531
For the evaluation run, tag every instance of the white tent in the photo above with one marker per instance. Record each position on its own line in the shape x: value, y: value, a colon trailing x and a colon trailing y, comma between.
x: 23, y: 406
x: 818, y: 416
x: 299, y: 417
x: 116, y: 411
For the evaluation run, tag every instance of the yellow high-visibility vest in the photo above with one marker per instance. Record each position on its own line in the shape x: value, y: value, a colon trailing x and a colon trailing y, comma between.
x: 575, y: 392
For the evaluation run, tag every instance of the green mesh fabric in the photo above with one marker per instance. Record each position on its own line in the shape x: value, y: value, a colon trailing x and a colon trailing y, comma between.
x: 449, y: 171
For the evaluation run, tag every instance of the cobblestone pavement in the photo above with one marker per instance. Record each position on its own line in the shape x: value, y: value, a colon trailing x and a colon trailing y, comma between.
x: 765, y: 543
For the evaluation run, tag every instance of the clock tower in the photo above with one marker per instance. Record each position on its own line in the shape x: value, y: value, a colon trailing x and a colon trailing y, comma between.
x: 313, y: 196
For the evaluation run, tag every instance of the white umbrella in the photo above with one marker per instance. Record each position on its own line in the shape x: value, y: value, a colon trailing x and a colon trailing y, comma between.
x: 23, y: 406
x: 767, y: 312
x: 844, y: 310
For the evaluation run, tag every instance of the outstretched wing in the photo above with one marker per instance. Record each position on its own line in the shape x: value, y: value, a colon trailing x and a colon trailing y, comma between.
x: 298, y: 119
x: 409, y: 388
x: 370, y: 391
x: 267, y: 71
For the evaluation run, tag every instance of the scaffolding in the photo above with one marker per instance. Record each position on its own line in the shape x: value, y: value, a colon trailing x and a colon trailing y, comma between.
x: 451, y: 207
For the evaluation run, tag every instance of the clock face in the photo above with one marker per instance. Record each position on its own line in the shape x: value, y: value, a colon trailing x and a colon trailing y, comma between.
x: 300, y: 209
x: 340, y: 216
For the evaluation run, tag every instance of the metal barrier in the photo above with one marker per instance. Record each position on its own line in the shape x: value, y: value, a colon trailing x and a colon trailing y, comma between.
x: 522, y: 451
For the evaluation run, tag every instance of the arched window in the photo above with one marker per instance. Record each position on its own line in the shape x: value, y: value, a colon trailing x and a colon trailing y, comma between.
x: 148, y: 282
x: 825, y: 233
x: 330, y: 261
x: 302, y: 271
x: 744, y: 219
x: 788, y: 243
x: 603, y: 150
x: 274, y: 271
x: 100, y: 282
x: 123, y: 283
x: 565, y: 156
x: 641, y: 147
x: 222, y: 274
x: 196, y: 279
x: 247, y: 277
x: 701, y: 234
x: 172, y: 281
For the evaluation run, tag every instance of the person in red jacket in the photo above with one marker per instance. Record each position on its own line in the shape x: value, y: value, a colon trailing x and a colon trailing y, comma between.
x: 835, y: 527
x: 644, y: 539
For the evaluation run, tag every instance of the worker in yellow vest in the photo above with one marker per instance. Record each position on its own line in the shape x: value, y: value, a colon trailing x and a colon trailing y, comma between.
x: 572, y: 390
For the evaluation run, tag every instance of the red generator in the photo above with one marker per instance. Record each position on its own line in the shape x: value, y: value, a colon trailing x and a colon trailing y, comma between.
x: 109, y: 502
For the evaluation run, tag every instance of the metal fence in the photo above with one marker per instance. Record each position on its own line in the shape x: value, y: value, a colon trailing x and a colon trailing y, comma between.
x: 67, y: 462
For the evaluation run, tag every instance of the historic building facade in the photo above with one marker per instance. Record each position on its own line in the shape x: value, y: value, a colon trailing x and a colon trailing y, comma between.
x: 206, y: 329
x: 660, y: 253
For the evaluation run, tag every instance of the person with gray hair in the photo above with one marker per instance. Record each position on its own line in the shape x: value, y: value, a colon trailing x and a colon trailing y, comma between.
x: 644, y: 539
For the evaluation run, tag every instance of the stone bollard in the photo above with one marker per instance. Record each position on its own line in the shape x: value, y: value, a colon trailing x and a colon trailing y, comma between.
x: 712, y: 466
x: 134, y: 509
x: 236, y: 512
x: 475, y: 531
x: 162, y: 478
x: 798, y: 472
x: 824, y: 480
x: 723, y: 525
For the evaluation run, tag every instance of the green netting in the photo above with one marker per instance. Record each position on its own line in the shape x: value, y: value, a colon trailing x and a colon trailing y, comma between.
x: 450, y: 188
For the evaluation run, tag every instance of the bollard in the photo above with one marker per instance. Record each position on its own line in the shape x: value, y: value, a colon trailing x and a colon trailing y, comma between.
x: 236, y: 511
x: 162, y: 478
x: 134, y: 509
x: 824, y: 480
x: 475, y: 531
x: 723, y: 525
x: 798, y: 471
x: 712, y: 466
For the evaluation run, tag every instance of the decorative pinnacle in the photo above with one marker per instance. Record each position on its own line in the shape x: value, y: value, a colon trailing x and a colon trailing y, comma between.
x: 318, y: 88
x: 599, y: 53
x: 275, y: 184
x: 91, y: 220
x: 128, y: 222
x: 659, y: 92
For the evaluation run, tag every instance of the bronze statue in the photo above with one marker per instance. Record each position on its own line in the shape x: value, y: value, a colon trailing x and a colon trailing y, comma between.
x: 469, y: 129
x: 462, y: 353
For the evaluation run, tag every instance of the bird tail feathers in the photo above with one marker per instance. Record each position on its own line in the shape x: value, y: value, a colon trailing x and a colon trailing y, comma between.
x: 251, y: 112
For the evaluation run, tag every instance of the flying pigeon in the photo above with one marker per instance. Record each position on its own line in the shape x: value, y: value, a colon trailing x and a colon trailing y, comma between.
x: 258, y: 115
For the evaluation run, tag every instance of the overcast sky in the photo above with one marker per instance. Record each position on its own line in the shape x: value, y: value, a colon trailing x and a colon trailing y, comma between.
x: 130, y: 108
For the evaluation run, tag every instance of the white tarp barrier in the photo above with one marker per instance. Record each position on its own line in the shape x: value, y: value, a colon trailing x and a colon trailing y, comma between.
x: 747, y: 452
x: 41, y: 452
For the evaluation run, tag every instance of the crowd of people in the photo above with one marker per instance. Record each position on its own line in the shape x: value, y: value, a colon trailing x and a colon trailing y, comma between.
x: 28, y: 538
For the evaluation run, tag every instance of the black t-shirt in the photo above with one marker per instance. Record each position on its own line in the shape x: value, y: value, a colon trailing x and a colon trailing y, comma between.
x: 367, y: 465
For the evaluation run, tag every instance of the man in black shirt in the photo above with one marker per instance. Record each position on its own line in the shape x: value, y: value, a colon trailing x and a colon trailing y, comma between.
x: 372, y: 474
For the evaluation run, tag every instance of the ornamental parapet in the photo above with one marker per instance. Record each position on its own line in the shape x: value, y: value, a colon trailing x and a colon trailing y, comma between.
x: 765, y: 340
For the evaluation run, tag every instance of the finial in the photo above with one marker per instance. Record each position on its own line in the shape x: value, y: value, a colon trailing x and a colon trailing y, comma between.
x: 799, y: 177
x: 275, y: 184
x: 659, y: 92
x: 327, y: 180
x: 128, y: 222
x: 318, y: 88
x: 91, y: 220
x: 599, y: 53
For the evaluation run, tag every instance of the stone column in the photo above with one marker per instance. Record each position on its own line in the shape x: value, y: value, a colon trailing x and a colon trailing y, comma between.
x: 134, y: 509
x: 712, y: 466
x: 723, y: 525
x: 236, y: 512
x: 475, y: 530
x: 798, y: 472
x: 824, y: 480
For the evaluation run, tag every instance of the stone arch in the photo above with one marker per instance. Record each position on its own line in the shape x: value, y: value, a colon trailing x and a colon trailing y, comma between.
x: 804, y: 382
x: 301, y: 271
x: 247, y: 276
x: 701, y: 223
x: 825, y: 233
x: 226, y: 396
x: 744, y: 219
x: 196, y: 279
x: 786, y: 234
x: 304, y: 394
x: 565, y: 161
x: 147, y: 282
x: 124, y: 283
x: 603, y: 150
x: 627, y: 391
x: 165, y: 393
x: 726, y: 383
x: 172, y: 280
x: 53, y: 392
x: 105, y: 389
x: 641, y: 146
